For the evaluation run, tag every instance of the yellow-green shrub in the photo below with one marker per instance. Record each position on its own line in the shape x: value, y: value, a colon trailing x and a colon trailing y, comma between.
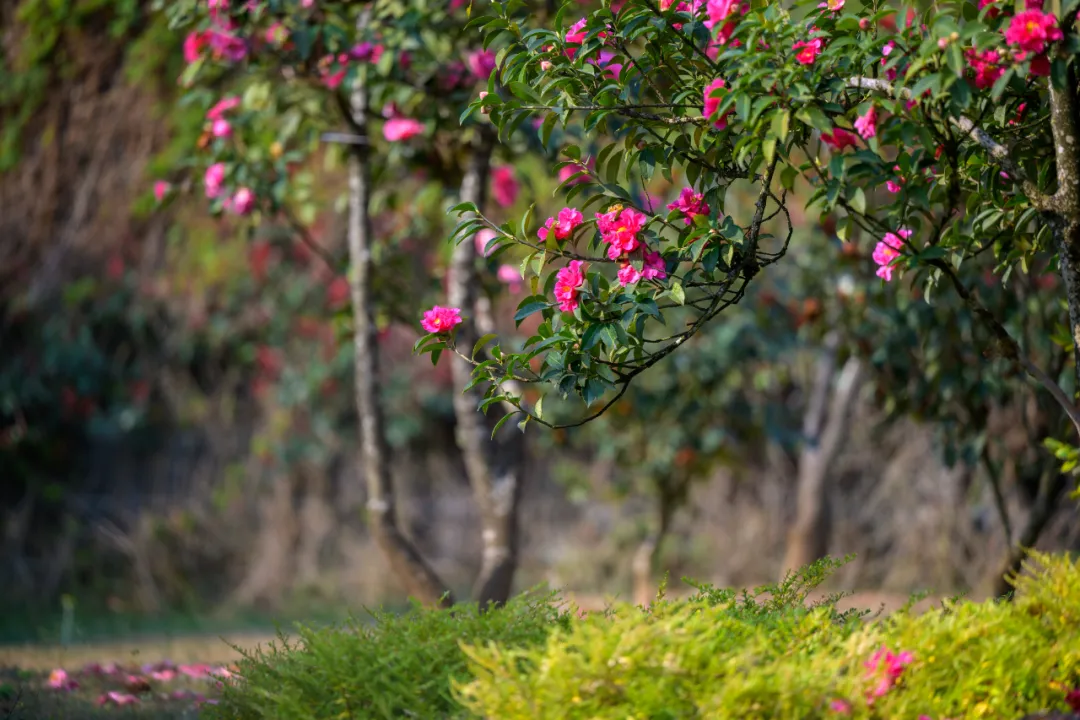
x: 718, y: 656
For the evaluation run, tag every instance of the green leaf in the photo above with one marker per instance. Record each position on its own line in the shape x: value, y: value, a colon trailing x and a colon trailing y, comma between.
x: 858, y: 201
x: 788, y: 176
x: 538, y: 409
x: 484, y: 340
x: 813, y: 116
x: 678, y: 293
x: 529, y: 306
x: 502, y: 421
x: 593, y: 391
x: 435, y: 355
x: 591, y: 335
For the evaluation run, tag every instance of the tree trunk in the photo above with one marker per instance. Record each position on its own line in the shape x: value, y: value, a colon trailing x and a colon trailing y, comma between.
x: 416, y: 575
x: 824, y: 429
x: 647, y: 555
x: 494, y: 465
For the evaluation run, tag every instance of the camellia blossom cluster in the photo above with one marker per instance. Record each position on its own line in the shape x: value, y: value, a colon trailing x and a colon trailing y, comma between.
x: 568, y: 282
x: 653, y: 268
x: 887, y: 250
x: 619, y: 228
x: 441, y: 319
x: 219, y: 126
x: 690, y: 203
x: 885, y: 668
x: 562, y: 226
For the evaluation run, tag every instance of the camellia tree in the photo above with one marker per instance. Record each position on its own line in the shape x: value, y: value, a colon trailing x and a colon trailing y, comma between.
x: 285, y: 82
x: 940, y: 132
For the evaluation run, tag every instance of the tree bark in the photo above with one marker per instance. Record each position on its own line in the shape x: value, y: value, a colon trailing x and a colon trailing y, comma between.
x: 494, y: 465
x: 416, y: 575
x: 824, y: 429
x: 1063, y: 214
x: 647, y: 555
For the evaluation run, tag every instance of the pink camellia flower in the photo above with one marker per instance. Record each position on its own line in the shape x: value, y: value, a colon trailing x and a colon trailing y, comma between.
x: 161, y: 189
x: 808, y: 50
x: 228, y: 46
x: 1032, y: 30
x: 568, y: 281
x: 243, y: 201
x: 212, y: 180
x: 1040, y: 64
x: 277, y: 34
x: 568, y: 171
x: 866, y: 125
x: 892, y: 186
x: 440, y: 319
x: 366, y: 52
x: 575, y: 36
x: 545, y: 65
x: 508, y: 275
x: 223, y: 106
x: 993, y: 12
x: 163, y: 675
x: 563, y: 225
x: 194, y: 43
x: 481, y: 239
x: 833, y: 5
x: 884, y: 665
x: 690, y: 204
x: 221, y: 128
x: 986, y: 65
x: 59, y: 680
x: 719, y: 11
x: 712, y: 103
x: 481, y: 63
x: 115, y: 697
x: 605, y: 62
x: 628, y: 274
x: 397, y: 129
x: 840, y: 706
x: 504, y: 186
x: 839, y: 139
x: 619, y: 228
x: 884, y: 253
x: 655, y: 268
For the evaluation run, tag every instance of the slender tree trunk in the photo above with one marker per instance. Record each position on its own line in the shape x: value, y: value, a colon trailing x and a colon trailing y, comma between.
x: 416, y: 575
x: 1063, y: 214
x: 494, y: 465
x: 824, y: 429
x: 647, y: 555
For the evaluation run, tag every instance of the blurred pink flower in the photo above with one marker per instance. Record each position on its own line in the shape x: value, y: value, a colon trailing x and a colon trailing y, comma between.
x: 866, y: 125
x: 712, y: 103
x: 509, y: 275
x: 59, y: 680
x: 397, y: 129
x: 214, y: 177
x: 481, y: 63
x: 221, y: 128
x: 223, y: 106
x: 481, y: 239
x: 504, y: 186
x: 161, y: 189
x: 117, y: 698
x: 243, y: 201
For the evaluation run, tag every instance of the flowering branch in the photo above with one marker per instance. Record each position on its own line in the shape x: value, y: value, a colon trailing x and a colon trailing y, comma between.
x: 996, y: 150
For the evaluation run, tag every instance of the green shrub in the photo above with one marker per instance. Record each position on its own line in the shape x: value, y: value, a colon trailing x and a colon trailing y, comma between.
x: 397, y: 666
x: 721, y: 656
